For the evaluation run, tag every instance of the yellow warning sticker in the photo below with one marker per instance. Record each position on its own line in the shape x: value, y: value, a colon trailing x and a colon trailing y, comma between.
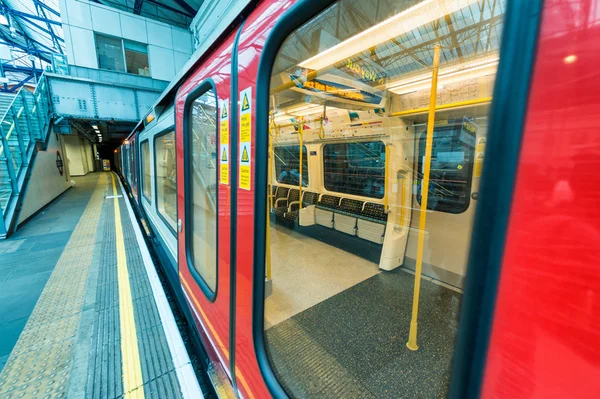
x: 224, y: 141
x: 245, y: 160
x: 479, y: 151
x: 478, y: 165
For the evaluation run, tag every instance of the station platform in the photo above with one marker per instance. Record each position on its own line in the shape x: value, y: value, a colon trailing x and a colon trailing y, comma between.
x: 84, y: 314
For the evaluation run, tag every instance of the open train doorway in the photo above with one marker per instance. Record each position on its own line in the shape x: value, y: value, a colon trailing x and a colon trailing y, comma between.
x: 377, y: 140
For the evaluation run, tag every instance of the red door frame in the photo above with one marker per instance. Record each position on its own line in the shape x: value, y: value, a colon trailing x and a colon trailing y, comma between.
x: 211, y: 315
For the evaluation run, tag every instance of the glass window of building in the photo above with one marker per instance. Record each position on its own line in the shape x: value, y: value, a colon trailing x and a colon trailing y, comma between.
x: 136, y: 58
x: 110, y: 53
x: 202, y: 139
x: 146, y: 190
x: 166, y: 177
x: 287, y: 165
x: 116, y: 54
x: 344, y: 246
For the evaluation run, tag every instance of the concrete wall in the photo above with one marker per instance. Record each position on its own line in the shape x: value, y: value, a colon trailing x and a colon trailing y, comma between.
x: 75, y: 155
x: 46, y: 183
x: 169, y: 47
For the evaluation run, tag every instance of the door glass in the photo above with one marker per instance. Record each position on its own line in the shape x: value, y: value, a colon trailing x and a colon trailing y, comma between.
x: 389, y: 204
x: 202, y: 136
x: 146, y: 170
x: 166, y: 177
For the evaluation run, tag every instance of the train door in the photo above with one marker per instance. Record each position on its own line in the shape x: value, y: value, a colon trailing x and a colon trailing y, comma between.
x: 205, y: 198
x: 362, y: 144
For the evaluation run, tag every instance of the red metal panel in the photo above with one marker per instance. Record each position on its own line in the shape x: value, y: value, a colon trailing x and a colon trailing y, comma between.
x: 546, y: 328
x: 256, y: 30
x: 212, y: 319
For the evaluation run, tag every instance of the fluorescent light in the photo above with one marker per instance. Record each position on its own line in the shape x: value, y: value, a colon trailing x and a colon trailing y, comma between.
x: 406, y: 21
x: 455, y: 73
x: 95, y: 127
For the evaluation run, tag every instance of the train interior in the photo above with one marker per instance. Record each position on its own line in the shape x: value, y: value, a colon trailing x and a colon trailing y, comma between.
x: 351, y: 224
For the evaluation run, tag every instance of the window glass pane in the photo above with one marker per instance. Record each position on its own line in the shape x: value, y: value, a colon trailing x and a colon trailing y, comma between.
x: 110, y: 53
x: 452, y: 159
x: 136, y: 57
x: 344, y: 246
x: 203, y: 139
x: 146, y: 169
x: 166, y: 177
x: 355, y: 168
x: 287, y: 165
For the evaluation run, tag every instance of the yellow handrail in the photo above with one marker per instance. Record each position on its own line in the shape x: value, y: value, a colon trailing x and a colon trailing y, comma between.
x: 386, y: 176
x: 300, y: 137
x: 412, y: 335
x: 444, y: 106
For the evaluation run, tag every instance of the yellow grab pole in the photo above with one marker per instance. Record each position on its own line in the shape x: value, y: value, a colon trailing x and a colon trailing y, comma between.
x: 386, y: 176
x: 412, y: 335
x: 300, y: 133
x: 269, y: 204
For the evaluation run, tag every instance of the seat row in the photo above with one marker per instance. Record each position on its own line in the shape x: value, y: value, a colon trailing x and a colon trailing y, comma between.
x: 364, y: 219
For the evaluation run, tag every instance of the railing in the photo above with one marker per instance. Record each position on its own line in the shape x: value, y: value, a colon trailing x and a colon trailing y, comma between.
x: 22, y: 124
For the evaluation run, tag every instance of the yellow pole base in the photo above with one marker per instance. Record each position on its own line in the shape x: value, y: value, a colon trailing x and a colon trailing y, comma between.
x: 412, y: 337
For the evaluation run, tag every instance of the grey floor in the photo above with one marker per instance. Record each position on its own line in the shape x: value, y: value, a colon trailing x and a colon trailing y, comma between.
x: 353, y: 345
x: 28, y: 257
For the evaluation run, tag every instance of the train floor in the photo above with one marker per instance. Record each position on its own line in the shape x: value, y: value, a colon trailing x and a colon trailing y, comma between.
x: 94, y: 320
x: 336, y: 326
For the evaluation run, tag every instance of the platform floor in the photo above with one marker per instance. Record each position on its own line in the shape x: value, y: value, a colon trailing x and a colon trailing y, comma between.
x: 102, y: 327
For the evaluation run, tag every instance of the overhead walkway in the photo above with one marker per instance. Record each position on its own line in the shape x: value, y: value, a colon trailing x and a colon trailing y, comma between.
x: 102, y: 326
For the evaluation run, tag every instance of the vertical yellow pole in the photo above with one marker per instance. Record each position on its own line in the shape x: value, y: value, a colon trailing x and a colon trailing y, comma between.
x: 300, y: 134
x: 269, y: 204
x: 386, y: 176
x: 412, y: 336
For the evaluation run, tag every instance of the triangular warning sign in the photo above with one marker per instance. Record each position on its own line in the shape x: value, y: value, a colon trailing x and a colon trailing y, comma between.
x: 224, y: 113
x: 224, y: 156
x: 245, y: 157
x: 245, y: 103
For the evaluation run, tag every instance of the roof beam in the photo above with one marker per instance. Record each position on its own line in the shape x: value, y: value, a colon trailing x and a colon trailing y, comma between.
x: 186, y: 7
x: 166, y: 7
x: 137, y: 7
x: 55, y: 39
x: 27, y: 15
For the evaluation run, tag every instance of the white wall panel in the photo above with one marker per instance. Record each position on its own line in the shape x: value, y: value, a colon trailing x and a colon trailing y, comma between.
x: 162, y: 65
x: 68, y: 45
x: 182, y: 41
x: 73, y: 155
x: 79, y: 14
x: 84, y: 47
x: 159, y: 34
x: 180, y: 60
x: 134, y: 28
x: 106, y: 21
x: 45, y: 183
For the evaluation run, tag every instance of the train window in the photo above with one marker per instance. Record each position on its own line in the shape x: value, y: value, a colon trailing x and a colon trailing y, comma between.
x: 166, y: 177
x: 202, y: 136
x: 145, y: 147
x: 364, y: 267
x: 287, y: 162
x: 355, y: 168
x: 452, y: 156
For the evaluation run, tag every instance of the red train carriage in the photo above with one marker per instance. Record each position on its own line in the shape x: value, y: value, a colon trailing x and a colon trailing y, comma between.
x: 366, y: 198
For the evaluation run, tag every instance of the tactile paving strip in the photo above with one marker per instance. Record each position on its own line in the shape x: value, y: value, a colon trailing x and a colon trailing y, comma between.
x: 39, y: 365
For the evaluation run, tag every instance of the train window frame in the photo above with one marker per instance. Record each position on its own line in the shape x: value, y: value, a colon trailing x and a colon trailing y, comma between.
x: 325, y: 173
x: 158, y: 135
x: 518, y: 47
x: 202, y: 88
x: 305, y: 155
x: 444, y: 207
x: 142, y: 176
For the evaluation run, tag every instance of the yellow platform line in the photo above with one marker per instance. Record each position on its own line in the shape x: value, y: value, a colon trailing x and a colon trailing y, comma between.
x: 130, y: 355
